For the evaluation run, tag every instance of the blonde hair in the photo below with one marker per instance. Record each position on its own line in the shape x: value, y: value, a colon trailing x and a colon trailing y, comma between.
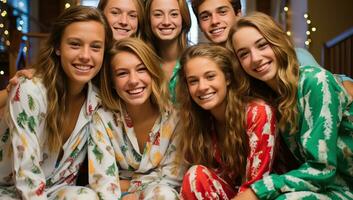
x: 288, y: 68
x: 197, y: 123
x: 140, y: 14
x: 48, y: 68
x: 160, y: 94
x: 186, y: 24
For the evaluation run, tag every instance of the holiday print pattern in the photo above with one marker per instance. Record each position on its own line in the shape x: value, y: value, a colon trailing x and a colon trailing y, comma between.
x: 323, y: 143
x: 28, y: 169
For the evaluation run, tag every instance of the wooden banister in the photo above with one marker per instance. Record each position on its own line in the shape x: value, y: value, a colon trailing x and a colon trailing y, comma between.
x: 337, y: 54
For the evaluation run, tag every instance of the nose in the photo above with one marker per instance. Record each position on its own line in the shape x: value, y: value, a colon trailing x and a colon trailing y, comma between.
x: 166, y: 20
x: 123, y: 18
x: 202, y: 85
x: 133, y: 79
x: 255, y: 55
x: 214, y: 19
x: 85, y: 54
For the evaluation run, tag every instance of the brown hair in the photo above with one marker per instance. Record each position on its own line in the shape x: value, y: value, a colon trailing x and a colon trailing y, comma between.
x: 195, y: 4
x: 186, y: 24
x: 159, y: 96
x: 140, y: 14
x: 48, y: 67
x: 196, y: 138
x: 288, y: 68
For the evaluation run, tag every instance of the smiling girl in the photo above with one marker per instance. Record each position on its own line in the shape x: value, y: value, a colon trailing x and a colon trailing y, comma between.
x: 132, y: 152
x: 227, y: 136
x: 49, y: 115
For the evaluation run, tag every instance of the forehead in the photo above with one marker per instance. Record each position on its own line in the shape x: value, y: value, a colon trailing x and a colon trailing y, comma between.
x: 125, y: 59
x: 193, y: 66
x: 164, y: 4
x: 121, y: 4
x: 246, y: 36
x: 212, y: 5
x: 85, y: 30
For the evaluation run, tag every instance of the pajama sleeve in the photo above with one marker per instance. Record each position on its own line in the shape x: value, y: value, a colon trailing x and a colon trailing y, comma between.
x: 27, y: 127
x: 261, y: 129
x: 320, y: 113
x: 102, y: 167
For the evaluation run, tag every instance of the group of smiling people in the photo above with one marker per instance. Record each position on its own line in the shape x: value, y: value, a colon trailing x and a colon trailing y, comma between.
x: 240, y: 118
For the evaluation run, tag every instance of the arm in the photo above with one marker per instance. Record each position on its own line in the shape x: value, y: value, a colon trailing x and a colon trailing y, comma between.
x: 261, y: 123
x: 319, y: 107
x: 103, y: 170
x: 26, y: 108
x: 3, y: 98
x: 28, y: 73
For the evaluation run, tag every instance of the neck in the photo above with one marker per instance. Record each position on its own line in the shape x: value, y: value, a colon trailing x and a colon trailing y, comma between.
x: 141, y: 112
x: 219, y: 114
x: 75, y: 92
x: 169, y: 50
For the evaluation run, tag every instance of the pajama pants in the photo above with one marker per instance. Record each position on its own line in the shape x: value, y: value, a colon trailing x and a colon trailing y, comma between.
x: 65, y: 192
x: 202, y: 183
x: 159, y: 192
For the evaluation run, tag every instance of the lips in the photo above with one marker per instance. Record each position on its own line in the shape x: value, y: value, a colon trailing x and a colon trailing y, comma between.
x: 121, y: 30
x: 217, y: 31
x: 166, y: 31
x: 263, y: 67
x: 82, y: 68
x: 136, y: 91
x: 206, y: 96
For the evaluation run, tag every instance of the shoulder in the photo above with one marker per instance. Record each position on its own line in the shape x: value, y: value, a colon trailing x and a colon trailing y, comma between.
x: 258, y: 110
x: 26, y: 88
x: 311, y: 77
x: 258, y: 105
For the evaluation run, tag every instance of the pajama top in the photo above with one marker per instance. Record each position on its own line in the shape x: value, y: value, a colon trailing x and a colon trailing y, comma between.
x: 25, y: 159
x: 323, y: 143
x: 114, y: 154
x: 261, y: 130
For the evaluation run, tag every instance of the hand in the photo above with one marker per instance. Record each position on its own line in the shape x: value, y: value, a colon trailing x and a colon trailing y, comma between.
x: 131, y: 196
x: 348, y: 85
x: 28, y: 73
x: 124, y: 185
x: 248, y: 194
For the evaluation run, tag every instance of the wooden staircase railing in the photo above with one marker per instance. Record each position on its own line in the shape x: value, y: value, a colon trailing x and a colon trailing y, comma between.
x: 337, y: 54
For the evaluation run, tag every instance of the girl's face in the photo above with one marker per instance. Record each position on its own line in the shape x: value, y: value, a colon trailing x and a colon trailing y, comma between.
x: 132, y: 80
x: 166, y: 20
x: 255, y: 54
x: 207, y: 84
x: 122, y: 17
x: 81, y: 51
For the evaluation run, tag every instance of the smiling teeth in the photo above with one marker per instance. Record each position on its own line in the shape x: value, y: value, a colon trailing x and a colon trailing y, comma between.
x: 83, y: 67
x: 135, y: 91
x: 207, y: 96
x: 218, y: 30
x: 259, y: 69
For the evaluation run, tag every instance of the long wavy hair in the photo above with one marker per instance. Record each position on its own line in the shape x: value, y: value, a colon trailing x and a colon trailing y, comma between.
x: 160, y: 93
x: 186, y: 24
x: 48, y: 68
x: 287, y: 75
x: 197, y: 123
x: 140, y: 14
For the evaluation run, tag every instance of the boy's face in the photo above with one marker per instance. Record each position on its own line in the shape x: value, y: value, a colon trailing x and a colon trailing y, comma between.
x: 216, y: 17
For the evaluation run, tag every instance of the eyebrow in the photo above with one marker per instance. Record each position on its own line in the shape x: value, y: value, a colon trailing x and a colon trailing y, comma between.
x: 256, y: 42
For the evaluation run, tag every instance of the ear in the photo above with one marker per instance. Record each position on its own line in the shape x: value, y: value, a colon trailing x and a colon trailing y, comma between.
x: 228, y: 79
x: 57, y: 52
x: 239, y: 13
